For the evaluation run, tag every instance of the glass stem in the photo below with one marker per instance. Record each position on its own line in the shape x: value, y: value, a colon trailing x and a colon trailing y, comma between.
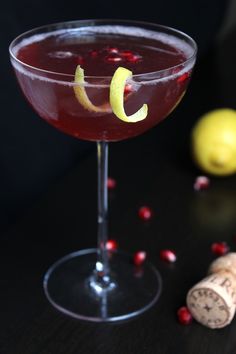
x: 102, y: 264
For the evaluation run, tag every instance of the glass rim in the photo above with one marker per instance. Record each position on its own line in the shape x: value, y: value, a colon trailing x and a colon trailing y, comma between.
x: 95, y: 22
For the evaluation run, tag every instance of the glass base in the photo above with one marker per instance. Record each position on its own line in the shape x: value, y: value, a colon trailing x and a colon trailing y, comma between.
x: 71, y: 286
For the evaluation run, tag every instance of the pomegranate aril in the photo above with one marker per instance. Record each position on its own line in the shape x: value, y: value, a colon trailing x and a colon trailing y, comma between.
x: 183, y: 78
x: 130, y: 56
x: 168, y: 256
x: 126, y: 53
x: 201, y: 183
x: 220, y: 248
x: 94, y: 53
x: 184, y: 315
x: 134, y: 58
x: 113, y: 59
x: 79, y: 60
x: 111, y: 183
x: 111, y: 245
x: 145, y: 213
x: 128, y: 89
x: 113, y: 50
x: 139, y: 258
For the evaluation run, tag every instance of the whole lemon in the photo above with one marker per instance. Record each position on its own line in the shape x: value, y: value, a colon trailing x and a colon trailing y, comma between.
x: 214, y: 142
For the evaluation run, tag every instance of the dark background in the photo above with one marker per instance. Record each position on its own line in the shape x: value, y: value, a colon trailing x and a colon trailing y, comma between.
x: 48, y: 194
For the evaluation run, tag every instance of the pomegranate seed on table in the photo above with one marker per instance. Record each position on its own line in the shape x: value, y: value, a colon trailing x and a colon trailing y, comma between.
x: 145, y: 213
x: 184, y: 315
x: 219, y: 248
x: 201, y: 183
x: 168, y: 256
x: 111, y: 183
x: 111, y: 245
x: 139, y: 258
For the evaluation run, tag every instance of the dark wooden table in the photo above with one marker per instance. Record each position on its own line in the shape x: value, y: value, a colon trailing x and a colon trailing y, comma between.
x: 155, y: 169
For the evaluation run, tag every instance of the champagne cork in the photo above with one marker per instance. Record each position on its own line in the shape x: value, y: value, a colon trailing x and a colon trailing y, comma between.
x: 212, y: 301
x: 227, y: 263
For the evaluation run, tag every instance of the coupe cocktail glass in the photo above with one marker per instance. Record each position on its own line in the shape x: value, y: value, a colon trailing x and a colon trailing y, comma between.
x: 96, y: 284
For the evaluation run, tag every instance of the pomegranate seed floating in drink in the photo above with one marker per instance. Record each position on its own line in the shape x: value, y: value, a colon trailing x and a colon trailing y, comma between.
x: 113, y: 50
x: 128, y: 89
x: 126, y: 53
x: 134, y: 58
x: 113, y: 59
x: 79, y: 60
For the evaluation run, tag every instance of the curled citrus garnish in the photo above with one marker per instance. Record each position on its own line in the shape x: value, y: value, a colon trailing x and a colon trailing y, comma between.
x: 117, y: 89
x: 82, y: 96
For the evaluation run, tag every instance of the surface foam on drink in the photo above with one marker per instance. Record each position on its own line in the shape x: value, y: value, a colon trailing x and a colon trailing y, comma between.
x: 83, y: 32
x: 90, y: 33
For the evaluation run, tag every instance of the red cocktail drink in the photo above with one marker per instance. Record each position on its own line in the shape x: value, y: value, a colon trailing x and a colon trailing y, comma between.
x: 157, y: 60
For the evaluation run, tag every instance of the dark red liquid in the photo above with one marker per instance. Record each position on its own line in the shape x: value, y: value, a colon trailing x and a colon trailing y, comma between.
x: 52, y: 94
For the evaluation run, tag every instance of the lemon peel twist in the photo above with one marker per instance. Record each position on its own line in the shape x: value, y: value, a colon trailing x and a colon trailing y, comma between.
x: 117, y: 89
x: 81, y: 94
